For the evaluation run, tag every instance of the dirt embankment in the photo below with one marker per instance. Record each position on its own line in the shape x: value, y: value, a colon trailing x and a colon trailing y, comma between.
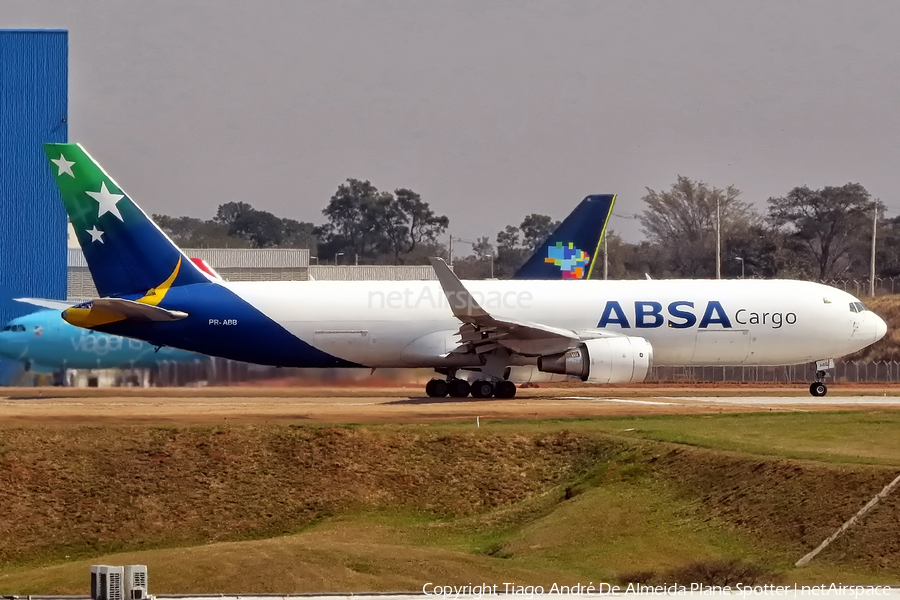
x: 791, y: 504
x: 91, y: 490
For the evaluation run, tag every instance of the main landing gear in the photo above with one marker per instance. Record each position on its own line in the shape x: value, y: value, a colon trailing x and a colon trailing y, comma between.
x: 460, y: 388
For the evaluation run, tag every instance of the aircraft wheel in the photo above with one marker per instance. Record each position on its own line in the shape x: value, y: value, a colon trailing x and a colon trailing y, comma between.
x: 437, y: 388
x: 482, y: 389
x: 459, y: 388
x: 817, y: 388
x: 505, y: 389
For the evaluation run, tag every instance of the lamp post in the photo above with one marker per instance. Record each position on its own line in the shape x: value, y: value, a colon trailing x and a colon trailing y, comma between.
x: 740, y: 258
x: 872, y: 263
x: 719, y: 241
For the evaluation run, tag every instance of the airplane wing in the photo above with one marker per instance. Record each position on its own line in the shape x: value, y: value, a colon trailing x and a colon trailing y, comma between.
x: 47, y: 303
x: 482, y: 332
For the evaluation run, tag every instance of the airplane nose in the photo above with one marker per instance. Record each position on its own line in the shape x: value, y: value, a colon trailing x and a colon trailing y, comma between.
x: 880, y: 327
x: 9, y: 346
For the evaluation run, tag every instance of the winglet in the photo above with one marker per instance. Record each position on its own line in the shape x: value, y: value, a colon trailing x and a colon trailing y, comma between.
x: 464, y: 306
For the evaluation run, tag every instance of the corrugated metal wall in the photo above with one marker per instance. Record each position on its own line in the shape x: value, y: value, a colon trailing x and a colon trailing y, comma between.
x: 371, y: 272
x: 33, y: 110
x: 248, y: 264
x: 231, y: 258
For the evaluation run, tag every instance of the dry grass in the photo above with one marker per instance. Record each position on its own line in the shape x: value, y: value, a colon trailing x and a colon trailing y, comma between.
x: 102, y: 489
x: 888, y: 347
x: 392, y: 507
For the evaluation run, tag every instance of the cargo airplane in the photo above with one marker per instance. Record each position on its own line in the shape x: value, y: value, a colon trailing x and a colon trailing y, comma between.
x: 44, y: 341
x: 471, y: 332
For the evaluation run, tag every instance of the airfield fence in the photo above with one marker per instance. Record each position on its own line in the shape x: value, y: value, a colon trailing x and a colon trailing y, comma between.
x: 860, y: 287
x: 850, y: 371
x: 226, y: 372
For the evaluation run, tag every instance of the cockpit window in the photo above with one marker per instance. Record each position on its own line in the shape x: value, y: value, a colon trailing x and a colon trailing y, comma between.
x: 858, y: 307
x: 7, y: 328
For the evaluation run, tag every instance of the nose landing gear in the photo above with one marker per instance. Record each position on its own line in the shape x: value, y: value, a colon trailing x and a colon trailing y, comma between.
x: 818, y: 388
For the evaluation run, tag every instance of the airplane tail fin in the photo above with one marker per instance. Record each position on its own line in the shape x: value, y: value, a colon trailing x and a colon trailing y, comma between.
x: 125, y: 250
x: 571, y: 250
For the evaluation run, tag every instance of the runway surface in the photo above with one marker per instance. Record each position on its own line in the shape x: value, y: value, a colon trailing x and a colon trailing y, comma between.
x: 380, y: 405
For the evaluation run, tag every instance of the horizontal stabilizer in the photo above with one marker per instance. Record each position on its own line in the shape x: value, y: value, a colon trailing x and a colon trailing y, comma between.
x: 112, y: 310
x: 46, y: 303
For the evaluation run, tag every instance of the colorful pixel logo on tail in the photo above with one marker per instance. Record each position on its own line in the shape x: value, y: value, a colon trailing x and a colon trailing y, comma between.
x: 572, y: 261
x: 568, y: 252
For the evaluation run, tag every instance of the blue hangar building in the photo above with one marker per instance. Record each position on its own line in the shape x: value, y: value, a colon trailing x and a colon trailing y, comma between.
x: 34, y: 104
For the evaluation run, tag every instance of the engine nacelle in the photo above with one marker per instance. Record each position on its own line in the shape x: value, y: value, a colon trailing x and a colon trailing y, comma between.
x: 603, y: 360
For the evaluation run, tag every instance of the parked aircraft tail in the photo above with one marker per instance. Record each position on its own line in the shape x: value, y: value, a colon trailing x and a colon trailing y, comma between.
x: 125, y: 251
x: 571, y: 250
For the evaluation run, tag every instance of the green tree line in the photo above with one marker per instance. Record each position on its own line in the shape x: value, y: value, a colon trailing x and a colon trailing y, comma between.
x: 807, y: 233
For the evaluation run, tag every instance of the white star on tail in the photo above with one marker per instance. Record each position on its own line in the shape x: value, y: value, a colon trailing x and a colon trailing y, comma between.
x: 65, y: 166
x: 107, y: 201
x: 96, y: 234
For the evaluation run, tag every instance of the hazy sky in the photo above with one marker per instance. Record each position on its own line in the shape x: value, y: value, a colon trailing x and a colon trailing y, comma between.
x: 490, y: 110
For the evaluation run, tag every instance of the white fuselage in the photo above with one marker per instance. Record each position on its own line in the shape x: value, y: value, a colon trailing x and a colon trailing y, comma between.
x: 687, y: 322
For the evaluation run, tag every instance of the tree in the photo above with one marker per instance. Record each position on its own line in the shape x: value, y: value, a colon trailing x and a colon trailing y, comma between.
x: 350, y: 228
x: 227, y: 214
x: 190, y: 232
x: 262, y: 229
x: 299, y: 234
x: 536, y: 229
x: 373, y: 224
x: 828, y: 224
x: 682, y: 222
x: 421, y: 224
x: 510, y: 253
x: 515, y: 244
x: 629, y: 260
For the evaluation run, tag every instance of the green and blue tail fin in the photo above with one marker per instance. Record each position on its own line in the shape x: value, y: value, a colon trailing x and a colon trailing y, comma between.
x: 572, y: 249
x: 125, y: 250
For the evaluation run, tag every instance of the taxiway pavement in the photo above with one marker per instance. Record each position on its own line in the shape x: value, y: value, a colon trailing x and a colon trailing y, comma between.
x: 372, y: 405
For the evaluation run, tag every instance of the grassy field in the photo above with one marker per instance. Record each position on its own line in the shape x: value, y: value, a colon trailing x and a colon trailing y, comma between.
x: 838, y: 437
x: 280, y: 508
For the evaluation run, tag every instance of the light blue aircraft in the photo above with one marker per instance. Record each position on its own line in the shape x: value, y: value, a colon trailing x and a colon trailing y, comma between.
x: 43, y: 341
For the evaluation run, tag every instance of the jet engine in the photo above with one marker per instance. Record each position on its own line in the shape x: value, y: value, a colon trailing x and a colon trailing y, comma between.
x: 603, y: 360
